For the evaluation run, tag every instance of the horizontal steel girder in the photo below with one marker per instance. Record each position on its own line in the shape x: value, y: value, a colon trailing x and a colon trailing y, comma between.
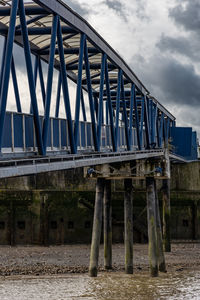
x: 70, y: 51
x: 40, y: 31
x: 30, y: 10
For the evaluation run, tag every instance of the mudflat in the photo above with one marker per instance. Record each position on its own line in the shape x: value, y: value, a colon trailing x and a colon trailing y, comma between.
x: 64, y: 259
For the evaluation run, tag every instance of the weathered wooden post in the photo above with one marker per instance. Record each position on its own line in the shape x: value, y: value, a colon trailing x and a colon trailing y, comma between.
x: 166, y: 203
x: 107, y: 226
x: 151, y: 218
x: 128, y: 223
x: 97, y: 223
x: 166, y: 215
x: 160, y: 252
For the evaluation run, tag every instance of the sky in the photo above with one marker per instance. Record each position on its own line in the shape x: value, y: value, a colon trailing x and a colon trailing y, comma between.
x: 160, y: 40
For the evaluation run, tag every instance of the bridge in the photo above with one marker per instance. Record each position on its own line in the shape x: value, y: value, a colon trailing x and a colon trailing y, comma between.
x: 111, y: 118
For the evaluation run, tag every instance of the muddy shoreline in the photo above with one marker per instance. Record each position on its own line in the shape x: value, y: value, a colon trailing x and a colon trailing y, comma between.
x: 67, y: 259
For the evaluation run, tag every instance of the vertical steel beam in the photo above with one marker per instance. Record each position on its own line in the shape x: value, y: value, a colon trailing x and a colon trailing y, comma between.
x: 83, y: 107
x: 49, y: 81
x: 100, y: 107
x: 58, y: 95
x: 7, y: 64
x: 15, y: 85
x: 118, y: 106
x: 65, y: 87
x: 146, y: 120
x: 125, y: 114
x: 109, y: 103
x: 42, y: 82
x: 30, y: 76
x: 131, y: 115
x: 90, y: 96
x: 137, y: 122
x: 79, y: 89
x: 3, y: 63
x: 141, y: 122
x: 35, y: 77
x: 161, y: 130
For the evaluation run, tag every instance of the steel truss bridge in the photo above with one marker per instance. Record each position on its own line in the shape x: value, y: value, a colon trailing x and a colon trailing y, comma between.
x: 122, y: 115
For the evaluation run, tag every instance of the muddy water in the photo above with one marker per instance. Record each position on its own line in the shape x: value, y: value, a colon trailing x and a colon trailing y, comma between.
x: 107, y: 286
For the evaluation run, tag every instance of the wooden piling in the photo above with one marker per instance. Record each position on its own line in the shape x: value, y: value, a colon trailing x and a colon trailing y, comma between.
x: 107, y: 226
x: 151, y: 218
x: 160, y: 252
x: 128, y: 223
x: 97, y: 223
x: 166, y: 215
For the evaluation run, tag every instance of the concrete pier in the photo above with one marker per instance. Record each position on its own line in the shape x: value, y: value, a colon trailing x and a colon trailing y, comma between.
x: 128, y: 224
x: 107, y: 226
x: 97, y: 223
x: 152, y: 232
x: 166, y: 215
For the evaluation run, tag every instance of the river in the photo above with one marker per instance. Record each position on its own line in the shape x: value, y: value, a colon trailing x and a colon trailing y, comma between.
x: 107, y: 286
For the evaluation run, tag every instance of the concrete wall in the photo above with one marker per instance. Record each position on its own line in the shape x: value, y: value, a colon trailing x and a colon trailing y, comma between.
x: 57, y: 208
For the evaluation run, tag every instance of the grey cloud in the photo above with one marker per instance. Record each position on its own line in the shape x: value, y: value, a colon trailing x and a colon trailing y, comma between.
x: 118, y: 7
x: 77, y: 7
x: 169, y: 80
x: 188, y: 47
x: 188, y: 16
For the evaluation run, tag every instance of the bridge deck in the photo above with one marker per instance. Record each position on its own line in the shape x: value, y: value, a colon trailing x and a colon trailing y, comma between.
x: 22, y: 167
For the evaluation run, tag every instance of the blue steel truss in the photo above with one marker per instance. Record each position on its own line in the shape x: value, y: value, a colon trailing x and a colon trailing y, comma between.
x: 123, y: 115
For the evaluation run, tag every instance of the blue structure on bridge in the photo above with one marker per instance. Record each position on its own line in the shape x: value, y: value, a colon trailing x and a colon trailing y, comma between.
x: 122, y: 114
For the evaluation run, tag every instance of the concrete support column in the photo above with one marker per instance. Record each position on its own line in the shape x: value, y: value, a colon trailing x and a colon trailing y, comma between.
x: 151, y: 218
x: 96, y: 232
x: 128, y: 223
x: 161, y: 256
x: 107, y: 226
x: 166, y: 215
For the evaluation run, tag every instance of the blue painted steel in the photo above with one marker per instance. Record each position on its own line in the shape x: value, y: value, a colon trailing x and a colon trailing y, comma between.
x: 30, y: 76
x: 29, y: 131
x: 79, y: 89
x: 90, y: 96
x: 49, y: 82
x: 131, y: 115
x: 161, y: 130
x: 32, y: 20
x: 6, y: 71
x: 146, y: 121
x: 109, y: 103
x: 3, y: 63
x: 63, y: 130
x: 182, y: 141
x: 83, y: 107
x: 100, y: 107
x: 18, y: 130
x: 56, y: 133
x: 58, y: 95
x: 35, y: 77
x: 15, y: 85
x: 65, y: 87
x: 137, y: 124
x: 118, y: 105
x: 142, y: 122
x: 125, y: 114
x: 42, y: 82
x: 7, y: 134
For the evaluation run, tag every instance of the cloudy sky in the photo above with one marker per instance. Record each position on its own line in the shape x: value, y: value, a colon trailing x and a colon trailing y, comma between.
x: 160, y: 40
